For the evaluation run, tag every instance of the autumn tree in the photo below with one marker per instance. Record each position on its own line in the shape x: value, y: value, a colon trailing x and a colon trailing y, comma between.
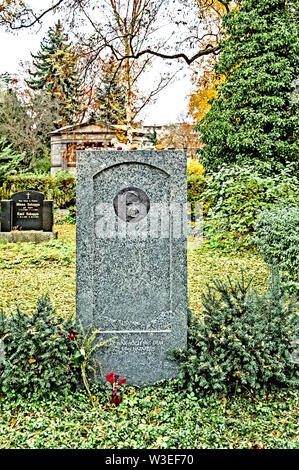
x: 254, y: 115
x: 188, y: 32
x: 124, y: 25
x: 17, y: 14
x: 135, y: 31
x: 10, y: 11
x: 182, y: 137
x: 56, y: 72
x: 110, y: 95
x: 131, y: 30
x: 25, y: 122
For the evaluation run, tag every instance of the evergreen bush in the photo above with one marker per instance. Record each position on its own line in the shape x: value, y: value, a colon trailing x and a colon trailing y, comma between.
x: 242, y: 343
x: 38, y: 351
x: 277, y: 238
x: 237, y: 193
x: 254, y: 116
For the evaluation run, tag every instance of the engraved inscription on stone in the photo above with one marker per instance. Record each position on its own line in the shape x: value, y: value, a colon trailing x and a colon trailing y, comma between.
x: 28, y: 210
x: 131, y: 204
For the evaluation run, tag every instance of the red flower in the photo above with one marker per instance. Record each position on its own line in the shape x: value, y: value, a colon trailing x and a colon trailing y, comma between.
x: 60, y: 333
x: 71, y: 336
x: 110, y: 378
x: 122, y: 381
x: 75, y: 332
x: 119, y: 148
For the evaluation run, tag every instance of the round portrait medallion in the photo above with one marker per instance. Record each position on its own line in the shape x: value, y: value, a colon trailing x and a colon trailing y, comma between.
x: 131, y: 204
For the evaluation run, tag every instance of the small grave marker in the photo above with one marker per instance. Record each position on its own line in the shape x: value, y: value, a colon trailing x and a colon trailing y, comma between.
x: 27, y: 217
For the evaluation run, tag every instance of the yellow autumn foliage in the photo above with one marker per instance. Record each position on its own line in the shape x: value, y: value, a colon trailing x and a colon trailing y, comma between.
x: 199, y: 102
x: 194, y: 167
x: 204, y: 77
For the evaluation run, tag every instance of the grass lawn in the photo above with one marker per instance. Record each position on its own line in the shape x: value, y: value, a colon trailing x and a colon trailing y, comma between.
x: 156, y: 417
x: 27, y: 270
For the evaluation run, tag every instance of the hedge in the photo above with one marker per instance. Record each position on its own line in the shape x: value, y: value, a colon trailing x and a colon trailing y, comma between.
x: 61, y: 188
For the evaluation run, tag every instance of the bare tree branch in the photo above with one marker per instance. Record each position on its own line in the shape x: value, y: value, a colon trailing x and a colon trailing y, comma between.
x: 37, y: 17
x: 209, y: 49
x: 161, y: 85
x: 225, y: 4
x: 129, y: 24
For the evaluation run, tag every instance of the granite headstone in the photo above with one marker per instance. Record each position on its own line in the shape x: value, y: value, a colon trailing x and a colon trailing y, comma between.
x: 131, y: 258
x: 27, y: 210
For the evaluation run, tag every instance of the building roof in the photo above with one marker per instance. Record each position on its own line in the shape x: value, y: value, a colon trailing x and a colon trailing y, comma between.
x: 89, y: 122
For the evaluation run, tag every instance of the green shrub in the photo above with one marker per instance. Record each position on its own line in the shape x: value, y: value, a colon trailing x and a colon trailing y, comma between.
x: 238, y: 193
x: 68, y: 218
x: 196, y: 185
x: 42, y: 353
x: 10, y: 160
x: 277, y: 238
x: 39, y: 352
x: 254, y: 114
x: 42, y: 165
x: 61, y: 188
x: 242, y: 343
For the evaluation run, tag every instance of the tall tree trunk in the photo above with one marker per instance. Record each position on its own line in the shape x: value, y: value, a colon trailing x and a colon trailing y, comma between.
x: 129, y: 114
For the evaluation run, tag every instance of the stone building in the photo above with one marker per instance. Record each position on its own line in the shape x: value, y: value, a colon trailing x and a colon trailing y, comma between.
x: 89, y: 135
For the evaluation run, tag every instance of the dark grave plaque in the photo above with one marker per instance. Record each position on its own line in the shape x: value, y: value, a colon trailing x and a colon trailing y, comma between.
x: 6, y: 215
x: 28, y: 210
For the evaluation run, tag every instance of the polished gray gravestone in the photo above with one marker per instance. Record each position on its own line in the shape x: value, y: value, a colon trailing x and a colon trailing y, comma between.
x: 131, y: 258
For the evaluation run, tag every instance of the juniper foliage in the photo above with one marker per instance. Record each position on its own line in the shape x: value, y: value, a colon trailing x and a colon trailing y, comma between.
x: 244, y: 342
x: 38, y: 352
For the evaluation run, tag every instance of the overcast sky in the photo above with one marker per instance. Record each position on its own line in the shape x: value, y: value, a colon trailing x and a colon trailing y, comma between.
x: 172, y: 101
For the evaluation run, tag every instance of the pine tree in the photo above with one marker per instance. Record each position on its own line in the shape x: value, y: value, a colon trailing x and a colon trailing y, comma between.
x: 56, y: 71
x: 253, y: 116
x: 111, y: 96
